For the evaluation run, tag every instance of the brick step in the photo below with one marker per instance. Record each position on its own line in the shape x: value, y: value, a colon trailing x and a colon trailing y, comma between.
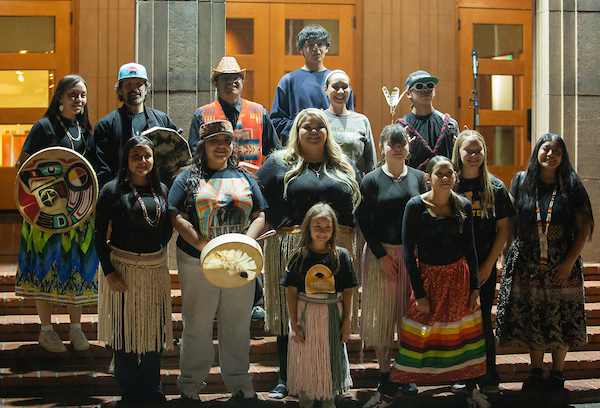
x: 37, y: 381
x: 8, y: 271
x: 27, y: 327
x: 19, y: 352
x: 12, y: 304
x: 581, y: 391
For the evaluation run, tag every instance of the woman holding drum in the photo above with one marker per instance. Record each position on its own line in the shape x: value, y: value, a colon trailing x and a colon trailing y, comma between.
x: 59, y: 268
x: 311, y: 169
x: 212, y: 197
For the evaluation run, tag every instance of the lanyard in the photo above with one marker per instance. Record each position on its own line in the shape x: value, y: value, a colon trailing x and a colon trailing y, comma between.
x: 543, y: 234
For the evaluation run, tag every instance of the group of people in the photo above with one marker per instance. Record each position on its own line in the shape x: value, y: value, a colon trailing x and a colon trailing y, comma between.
x: 435, y: 223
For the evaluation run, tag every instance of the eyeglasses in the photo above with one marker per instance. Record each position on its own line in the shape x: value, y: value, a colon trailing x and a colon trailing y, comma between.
x: 311, y: 45
x: 419, y: 86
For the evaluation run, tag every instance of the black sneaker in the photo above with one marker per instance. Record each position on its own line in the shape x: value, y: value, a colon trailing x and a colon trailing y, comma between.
x: 534, y: 383
x: 242, y: 401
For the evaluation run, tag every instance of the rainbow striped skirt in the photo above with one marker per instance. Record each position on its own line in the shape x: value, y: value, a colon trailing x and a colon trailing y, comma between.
x: 447, y: 344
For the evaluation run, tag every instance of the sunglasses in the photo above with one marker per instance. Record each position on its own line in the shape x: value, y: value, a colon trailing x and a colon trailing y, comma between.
x: 419, y: 86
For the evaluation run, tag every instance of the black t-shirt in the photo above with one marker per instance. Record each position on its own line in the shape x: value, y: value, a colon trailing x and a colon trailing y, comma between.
x: 316, y: 273
x: 223, y: 203
x: 130, y: 230
x: 49, y: 133
x: 302, y: 193
x: 485, y: 228
x: 438, y: 241
x: 382, y: 207
x: 429, y: 127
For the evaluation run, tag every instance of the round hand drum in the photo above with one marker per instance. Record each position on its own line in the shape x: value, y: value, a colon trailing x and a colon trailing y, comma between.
x: 231, y: 260
x: 56, y: 189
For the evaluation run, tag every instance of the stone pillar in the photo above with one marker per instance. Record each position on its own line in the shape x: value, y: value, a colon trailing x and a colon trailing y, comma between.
x: 179, y: 43
x: 566, y: 88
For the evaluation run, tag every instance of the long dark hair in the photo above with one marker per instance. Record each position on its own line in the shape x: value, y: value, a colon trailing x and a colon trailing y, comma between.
x: 302, y: 250
x: 122, y: 176
x: 569, y: 185
x: 198, y: 165
x: 64, y: 85
x: 456, y: 203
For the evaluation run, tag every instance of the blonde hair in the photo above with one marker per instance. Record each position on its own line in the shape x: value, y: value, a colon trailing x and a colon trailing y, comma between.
x: 486, y: 196
x: 336, y: 166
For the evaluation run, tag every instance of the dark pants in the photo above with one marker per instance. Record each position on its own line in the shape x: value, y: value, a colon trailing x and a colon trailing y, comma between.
x: 487, y: 295
x: 139, y: 376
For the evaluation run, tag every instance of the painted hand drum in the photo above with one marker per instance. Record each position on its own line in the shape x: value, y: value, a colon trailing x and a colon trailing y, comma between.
x: 56, y: 189
x: 231, y: 260
x: 172, y: 152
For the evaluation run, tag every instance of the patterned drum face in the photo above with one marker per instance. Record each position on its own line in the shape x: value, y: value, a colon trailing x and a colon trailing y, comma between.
x: 171, y: 152
x: 56, y: 189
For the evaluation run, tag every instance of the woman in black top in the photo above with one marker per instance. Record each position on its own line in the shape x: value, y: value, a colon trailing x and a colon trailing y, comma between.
x: 541, y: 299
x: 311, y: 169
x: 60, y: 268
x: 386, y: 287
x: 135, y: 298
x: 441, y: 338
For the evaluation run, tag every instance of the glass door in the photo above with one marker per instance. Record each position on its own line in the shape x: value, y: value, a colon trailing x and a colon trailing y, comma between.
x: 503, y: 84
x: 34, y: 55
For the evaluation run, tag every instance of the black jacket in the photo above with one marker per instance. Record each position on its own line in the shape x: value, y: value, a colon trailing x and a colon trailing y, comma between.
x: 113, y: 131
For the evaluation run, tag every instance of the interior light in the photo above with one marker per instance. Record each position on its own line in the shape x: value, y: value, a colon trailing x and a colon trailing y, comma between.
x: 21, y: 79
x: 23, y: 52
x: 19, y: 72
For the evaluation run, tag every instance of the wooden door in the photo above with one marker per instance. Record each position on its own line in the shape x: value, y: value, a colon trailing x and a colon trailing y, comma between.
x: 262, y: 37
x: 247, y: 39
x: 34, y: 54
x: 503, y: 41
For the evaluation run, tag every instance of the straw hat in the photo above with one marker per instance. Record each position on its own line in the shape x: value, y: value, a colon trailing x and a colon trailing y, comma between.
x: 228, y: 65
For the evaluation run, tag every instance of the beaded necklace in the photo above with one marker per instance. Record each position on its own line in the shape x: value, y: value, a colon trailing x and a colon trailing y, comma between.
x: 71, y: 138
x: 152, y: 222
x: 543, y: 234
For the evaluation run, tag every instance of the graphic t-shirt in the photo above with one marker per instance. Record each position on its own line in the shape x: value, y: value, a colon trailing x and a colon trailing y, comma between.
x: 315, y: 273
x: 485, y: 228
x: 222, y: 203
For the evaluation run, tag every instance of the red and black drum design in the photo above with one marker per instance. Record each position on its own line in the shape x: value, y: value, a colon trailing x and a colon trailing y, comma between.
x: 56, y: 189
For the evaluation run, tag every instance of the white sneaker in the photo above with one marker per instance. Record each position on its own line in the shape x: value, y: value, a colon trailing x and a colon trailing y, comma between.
x: 51, y: 342
x: 478, y: 400
x: 78, y: 340
x: 379, y: 400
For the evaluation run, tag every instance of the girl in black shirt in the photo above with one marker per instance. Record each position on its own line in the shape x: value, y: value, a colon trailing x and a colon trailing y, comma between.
x: 386, y: 287
x: 135, y: 296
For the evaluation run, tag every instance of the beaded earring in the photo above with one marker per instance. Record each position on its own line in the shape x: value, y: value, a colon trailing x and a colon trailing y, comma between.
x: 61, y: 107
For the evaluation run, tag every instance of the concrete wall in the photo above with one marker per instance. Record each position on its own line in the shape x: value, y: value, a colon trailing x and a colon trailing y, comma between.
x: 180, y: 42
x: 566, y: 88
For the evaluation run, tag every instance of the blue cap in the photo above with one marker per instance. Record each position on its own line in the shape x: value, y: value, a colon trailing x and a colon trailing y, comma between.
x: 132, y: 70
